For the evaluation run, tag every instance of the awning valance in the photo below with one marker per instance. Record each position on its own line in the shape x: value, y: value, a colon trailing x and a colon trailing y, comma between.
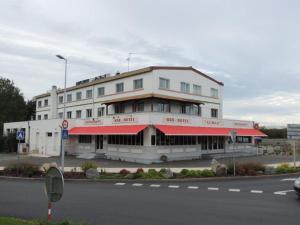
x: 106, y: 130
x: 207, y: 131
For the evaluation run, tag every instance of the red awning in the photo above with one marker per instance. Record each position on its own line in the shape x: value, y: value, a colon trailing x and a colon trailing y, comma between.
x: 207, y: 131
x: 99, y: 130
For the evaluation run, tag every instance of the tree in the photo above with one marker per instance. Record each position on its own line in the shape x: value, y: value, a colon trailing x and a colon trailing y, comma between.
x: 275, y: 132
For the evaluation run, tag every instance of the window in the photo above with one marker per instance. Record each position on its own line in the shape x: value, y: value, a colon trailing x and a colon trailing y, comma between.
x: 39, y: 117
x: 78, y: 114
x: 185, y: 87
x: 214, y: 113
x: 89, y: 93
x: 39, y: 104
x: 60, y: 115
x: 61, y: 99
x: 78, y: 95
x: 164, y: 83
x: 197, y: 89
x: 138, y: 107
x: 119, y: 108
x: 186, y: 109
x: 84, y: 139
x: 101, y: 91
x: 126, y: 139
x: 163, y: 107
x: 69, y: 97
x: 137, y: 84
x: 69, y: 114
x: 46, y: 102
x: 162, y: 139
x: 119, y: 87
x: 101, y: 111
x: 45, y: 116
x: 214, y: 93
x: 49, y: 134
x: 89, y: 113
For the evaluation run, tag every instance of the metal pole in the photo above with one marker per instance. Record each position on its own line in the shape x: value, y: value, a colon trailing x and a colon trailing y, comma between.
x: 233, y: 158
x: 49, y: 211
x: 64, y: 117
x: 294, y: 154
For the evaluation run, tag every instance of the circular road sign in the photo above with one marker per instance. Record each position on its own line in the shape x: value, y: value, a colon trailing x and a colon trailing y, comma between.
x: 54, y: 184
x: 65, y: 124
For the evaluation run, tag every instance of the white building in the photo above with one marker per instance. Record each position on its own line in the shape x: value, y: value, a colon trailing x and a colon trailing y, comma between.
x: 147, y: 115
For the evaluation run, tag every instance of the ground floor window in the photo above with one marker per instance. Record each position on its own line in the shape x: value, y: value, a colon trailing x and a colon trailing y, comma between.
x: 85, y: 139
x: 126, y: 139
x: 211, y: 142
x: 240, y: 139
x: 162, y: 139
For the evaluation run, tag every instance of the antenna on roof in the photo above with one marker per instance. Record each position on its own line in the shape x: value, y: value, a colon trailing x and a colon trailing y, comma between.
x: 129, y: 58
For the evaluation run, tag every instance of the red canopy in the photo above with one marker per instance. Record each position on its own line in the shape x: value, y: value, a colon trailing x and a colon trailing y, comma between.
x: 207, y: 131
x: 100, y: 130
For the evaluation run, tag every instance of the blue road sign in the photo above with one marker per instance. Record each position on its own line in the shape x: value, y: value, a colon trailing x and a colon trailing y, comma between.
x: 20, y: 135
x: 64, y: 134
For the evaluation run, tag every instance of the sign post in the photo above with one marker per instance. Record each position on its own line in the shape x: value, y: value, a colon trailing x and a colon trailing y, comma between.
x: 54, y: 187
x: 20, y: 136
x: 233, y: 135
x: 64, y: 135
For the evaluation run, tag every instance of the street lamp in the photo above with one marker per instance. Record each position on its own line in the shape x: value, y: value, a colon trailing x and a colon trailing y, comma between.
x: 62, y: 149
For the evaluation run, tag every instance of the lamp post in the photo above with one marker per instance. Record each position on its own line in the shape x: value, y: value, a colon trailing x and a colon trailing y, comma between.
x: 62, y: 149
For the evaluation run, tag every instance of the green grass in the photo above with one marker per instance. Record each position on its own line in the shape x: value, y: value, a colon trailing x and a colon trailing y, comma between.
x: 15, y: 221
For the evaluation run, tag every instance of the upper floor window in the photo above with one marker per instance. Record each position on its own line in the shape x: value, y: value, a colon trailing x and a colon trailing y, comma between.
x: 69, y: 97
x: 89, y: 93
x: 101, y: 111
x: 214, y: 93
x: 137, y: 84
x: 138, y: 107
x: 60, y: 115
x: 197, y: 89
x: 214, y: 113
x: 69, y: 114
x: 39, y: 117
x: 163, y: 107
x: 119, y: 108
x: 164, y: 83
x: 61, y: 99
x: 78, y: 95
x: 39, y: 104
x: 119, y: 87
x: 45, y: 116
x: 101, y: 91
x: 185, y: 87
x: 46, y: 102
x: 89, y: 113
x: 78, y: 114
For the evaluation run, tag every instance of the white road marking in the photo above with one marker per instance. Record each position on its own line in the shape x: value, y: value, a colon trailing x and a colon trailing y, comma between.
x: 155, y: 185
x: 137, y: 185
x: 173, y: 186
x: 213, y: 188
x: 119, y: 184
x: 288, y: 179
x: 234, y: 190
x: 256, y: 191
x: 282, y: 192
x: 193, y: 187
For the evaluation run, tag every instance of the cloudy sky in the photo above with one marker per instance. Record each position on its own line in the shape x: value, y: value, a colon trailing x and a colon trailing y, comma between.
x: 252, y: 46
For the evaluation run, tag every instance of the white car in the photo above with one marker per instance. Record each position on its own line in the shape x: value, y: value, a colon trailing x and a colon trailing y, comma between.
x: 297, y: 186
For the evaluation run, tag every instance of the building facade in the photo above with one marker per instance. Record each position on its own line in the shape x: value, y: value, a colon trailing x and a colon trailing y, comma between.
x: 147, y: 115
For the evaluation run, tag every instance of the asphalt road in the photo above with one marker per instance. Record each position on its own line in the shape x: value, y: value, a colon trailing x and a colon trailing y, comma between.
x: 235, y: 202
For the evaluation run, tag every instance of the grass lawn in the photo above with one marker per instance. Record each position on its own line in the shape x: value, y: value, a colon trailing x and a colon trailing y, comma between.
x: 15, y: 221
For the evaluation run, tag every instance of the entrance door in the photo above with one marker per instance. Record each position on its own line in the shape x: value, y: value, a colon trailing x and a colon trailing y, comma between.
x: 99, y: 142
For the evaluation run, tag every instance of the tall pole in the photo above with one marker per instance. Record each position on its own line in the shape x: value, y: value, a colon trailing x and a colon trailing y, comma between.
x: 294, y: 154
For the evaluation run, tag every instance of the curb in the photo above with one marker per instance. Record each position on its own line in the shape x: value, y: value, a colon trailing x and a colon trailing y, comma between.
x: 182, y: 180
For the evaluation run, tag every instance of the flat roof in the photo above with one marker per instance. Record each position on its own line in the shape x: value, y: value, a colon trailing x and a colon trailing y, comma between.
x: 132, y: 73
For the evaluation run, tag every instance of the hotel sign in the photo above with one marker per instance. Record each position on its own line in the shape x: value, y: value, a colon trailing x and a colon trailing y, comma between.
x: 175, y: 120
x: 124, y: 119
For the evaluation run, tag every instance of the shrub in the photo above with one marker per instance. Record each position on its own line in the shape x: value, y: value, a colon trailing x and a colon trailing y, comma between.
x: 248, y: 168
x: 207, y: 173
x: 88, y: 165
x: 139, y: 170
x: 124, y: 172
x: 151, y: 174
x: 285, y: 168
x: 184, y: 172
x: 197, y: 173
x: 23, y: 169
x: 163, y: 170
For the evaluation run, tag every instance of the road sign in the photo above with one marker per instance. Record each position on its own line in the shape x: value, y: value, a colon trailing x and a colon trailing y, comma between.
x: 233, y: 135
x: 20, y: 135
x: 54, y: 184
x: 64, y: 134
x: 65, y: 124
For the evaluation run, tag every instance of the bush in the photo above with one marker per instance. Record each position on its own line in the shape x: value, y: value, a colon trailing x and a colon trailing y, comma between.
x: 88, y: 165
x: 246, y: 169
x: 286, y: 168
x: 124, y: 172
x: 139, y: 170
x: 197, y: 173
x: 23, y: 169
x: 184, y: 172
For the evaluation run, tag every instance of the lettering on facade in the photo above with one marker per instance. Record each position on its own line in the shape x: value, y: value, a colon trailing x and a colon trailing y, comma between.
x: 124, y: 119
x: 212, y: 123
x: 176, y: 120
x: 240, y: 124
x: 93, y: 122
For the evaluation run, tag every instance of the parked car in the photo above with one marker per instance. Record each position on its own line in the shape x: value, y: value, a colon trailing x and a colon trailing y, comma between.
x: 297, y: 186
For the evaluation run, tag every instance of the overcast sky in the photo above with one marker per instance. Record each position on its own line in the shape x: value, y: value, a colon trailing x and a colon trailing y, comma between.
x: 252, y: 46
